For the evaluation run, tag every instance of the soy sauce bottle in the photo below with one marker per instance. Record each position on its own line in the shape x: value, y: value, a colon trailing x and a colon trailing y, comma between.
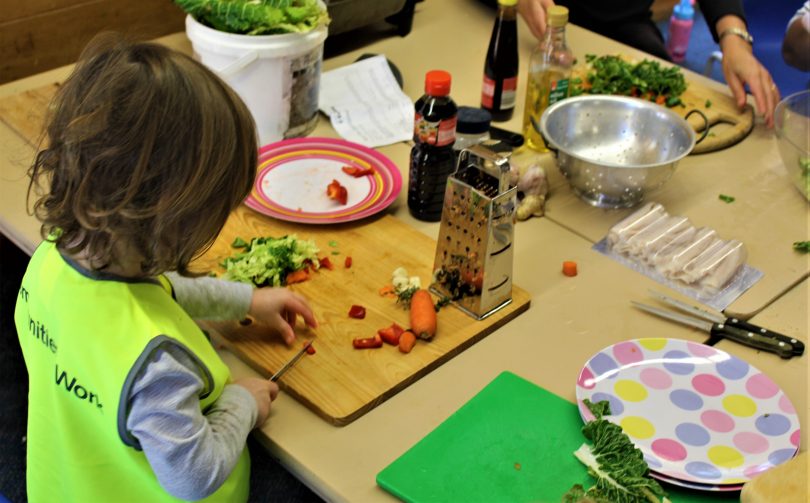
x: 501, y: 66
x: 432, y: 159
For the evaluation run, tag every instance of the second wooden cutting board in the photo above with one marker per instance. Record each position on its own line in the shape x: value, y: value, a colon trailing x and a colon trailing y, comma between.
x: 338, y: 382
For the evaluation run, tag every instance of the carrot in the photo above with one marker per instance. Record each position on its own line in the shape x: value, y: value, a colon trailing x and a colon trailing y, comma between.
x: 660, y: 99
x: 423, y: 315
x: 388, y: 291
x: 406, y: 341
x: 297, y: 276
x: 569, y: 268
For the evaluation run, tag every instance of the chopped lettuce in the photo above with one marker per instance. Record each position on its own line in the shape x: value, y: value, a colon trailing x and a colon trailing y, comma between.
x: 266, y: 261
x: 622, y: 475
x: 257, y: 17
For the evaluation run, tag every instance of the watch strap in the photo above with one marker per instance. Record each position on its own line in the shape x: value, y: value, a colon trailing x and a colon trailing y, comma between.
x: 739, y: 32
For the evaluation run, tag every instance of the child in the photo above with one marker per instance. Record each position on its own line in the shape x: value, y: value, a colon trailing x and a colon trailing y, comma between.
x: 148, y: 153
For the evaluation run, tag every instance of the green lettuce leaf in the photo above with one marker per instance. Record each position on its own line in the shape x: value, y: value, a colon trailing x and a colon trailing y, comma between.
x: 257, y: 17
x: 267, y: 261
x: 621, y: 474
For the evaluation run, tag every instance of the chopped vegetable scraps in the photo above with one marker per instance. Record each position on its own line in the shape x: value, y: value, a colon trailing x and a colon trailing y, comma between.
x: 618, y: 466
x: 267, y: 261
x: 726, y: 199
x: 648, y: 79
x: 252, y: 17
x: 802, y: 246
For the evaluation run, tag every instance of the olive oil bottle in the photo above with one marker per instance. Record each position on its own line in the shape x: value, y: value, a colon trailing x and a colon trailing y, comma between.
x: 549, y: 75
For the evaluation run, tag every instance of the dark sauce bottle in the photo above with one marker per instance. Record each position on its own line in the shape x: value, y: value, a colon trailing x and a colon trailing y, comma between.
x: 432, y: 159
x: 498, y: 94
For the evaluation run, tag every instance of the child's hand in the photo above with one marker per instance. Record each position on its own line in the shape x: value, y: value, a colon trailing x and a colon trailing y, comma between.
x: 264, y: 391
x: 279, y: 308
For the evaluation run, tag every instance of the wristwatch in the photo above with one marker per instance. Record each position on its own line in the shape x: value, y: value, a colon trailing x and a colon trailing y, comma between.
x: 738, y: 32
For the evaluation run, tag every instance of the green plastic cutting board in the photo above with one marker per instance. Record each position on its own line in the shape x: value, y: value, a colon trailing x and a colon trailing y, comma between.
x: 512, y: 442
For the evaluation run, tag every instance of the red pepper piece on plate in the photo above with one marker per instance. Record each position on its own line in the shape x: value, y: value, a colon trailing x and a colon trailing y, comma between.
x: 337, y: 192
x: 357, y: 172
x: 347, y: 263
x: 367, y: 342
x: 357, y: 312
x: 325, y: 262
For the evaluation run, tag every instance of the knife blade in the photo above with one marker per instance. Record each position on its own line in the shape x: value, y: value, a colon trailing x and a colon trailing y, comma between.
x: 287, y: 366
x: 752, y: 339
x: 798, y: 346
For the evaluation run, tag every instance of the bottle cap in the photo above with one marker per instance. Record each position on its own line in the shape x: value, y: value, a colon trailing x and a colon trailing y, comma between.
x: 557, y: 15
x: 471, y: 120
x: 684, y: 11
x: 437, y: 83
x: 507, y: 3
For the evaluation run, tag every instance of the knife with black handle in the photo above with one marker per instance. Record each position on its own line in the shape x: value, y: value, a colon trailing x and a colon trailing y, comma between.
x: 726, y: 331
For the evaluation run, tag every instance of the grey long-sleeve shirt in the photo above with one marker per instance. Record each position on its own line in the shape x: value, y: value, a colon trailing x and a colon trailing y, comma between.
x: 190, y: 452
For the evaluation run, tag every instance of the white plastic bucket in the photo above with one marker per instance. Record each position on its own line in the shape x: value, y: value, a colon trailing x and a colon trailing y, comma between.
x: 277, y: 76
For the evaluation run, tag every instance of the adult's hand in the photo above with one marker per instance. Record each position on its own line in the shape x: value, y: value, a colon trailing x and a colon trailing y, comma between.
x: 741, y: 68
x: 533, y: 13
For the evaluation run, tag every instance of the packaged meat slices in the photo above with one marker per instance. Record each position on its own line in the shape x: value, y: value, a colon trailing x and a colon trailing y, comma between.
x: 671, y: 250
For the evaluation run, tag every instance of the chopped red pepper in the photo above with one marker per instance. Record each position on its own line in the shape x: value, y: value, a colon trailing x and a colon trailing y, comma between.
x: 357, y: 172
x: 367, y: 343
x: 391, y: 334
x: 347, y: 263
x: 325, y: 262
x: 337, y: 192
x: 310, y: 348
x: 357, y: 312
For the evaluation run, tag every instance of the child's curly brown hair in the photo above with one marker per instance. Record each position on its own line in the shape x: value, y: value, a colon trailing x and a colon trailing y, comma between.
x: 148, y: 153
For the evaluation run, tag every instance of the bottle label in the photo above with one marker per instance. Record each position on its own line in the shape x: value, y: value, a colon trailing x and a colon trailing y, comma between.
x: 508, y: 93
x: 439, y: 134
x: 558, y: 90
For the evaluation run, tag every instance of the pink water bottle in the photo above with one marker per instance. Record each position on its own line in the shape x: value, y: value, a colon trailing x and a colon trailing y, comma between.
x: 680, y: 27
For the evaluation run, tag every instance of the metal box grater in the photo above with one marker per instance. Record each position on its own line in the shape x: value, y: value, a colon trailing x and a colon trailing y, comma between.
x: 474, y: 252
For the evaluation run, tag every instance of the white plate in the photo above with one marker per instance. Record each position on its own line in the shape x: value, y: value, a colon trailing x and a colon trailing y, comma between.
x: 697, y: 413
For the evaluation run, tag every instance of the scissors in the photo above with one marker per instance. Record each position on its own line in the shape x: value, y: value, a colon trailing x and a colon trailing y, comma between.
x: 722, y: 327
x: 287, y: 366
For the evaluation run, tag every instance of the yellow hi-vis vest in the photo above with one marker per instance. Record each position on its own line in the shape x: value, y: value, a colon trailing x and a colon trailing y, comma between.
x: 82, y: 334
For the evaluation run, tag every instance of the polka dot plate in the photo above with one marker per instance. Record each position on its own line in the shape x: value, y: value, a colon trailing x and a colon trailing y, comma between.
x: 698, y: 414
x: 293, y: 176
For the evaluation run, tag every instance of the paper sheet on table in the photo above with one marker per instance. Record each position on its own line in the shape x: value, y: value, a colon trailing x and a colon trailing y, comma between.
x: 365, y: 103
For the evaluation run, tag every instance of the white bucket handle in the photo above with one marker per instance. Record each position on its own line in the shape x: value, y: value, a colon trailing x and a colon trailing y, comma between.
x: 238, y: 65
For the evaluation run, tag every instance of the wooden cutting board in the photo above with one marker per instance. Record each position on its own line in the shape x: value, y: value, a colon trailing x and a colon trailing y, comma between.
x: 727, y: 124
x: 338, y: 382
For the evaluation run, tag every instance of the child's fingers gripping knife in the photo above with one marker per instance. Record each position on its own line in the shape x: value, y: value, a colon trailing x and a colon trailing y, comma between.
x: 264, y: 392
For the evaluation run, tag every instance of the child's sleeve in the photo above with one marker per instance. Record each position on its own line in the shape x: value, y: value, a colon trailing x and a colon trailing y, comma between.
x: 211, y: 298
x: 191, y: 453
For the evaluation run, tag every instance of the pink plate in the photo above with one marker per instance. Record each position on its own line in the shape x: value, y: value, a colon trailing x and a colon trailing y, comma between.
x: 698, y: 414
x: 293, y: 176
